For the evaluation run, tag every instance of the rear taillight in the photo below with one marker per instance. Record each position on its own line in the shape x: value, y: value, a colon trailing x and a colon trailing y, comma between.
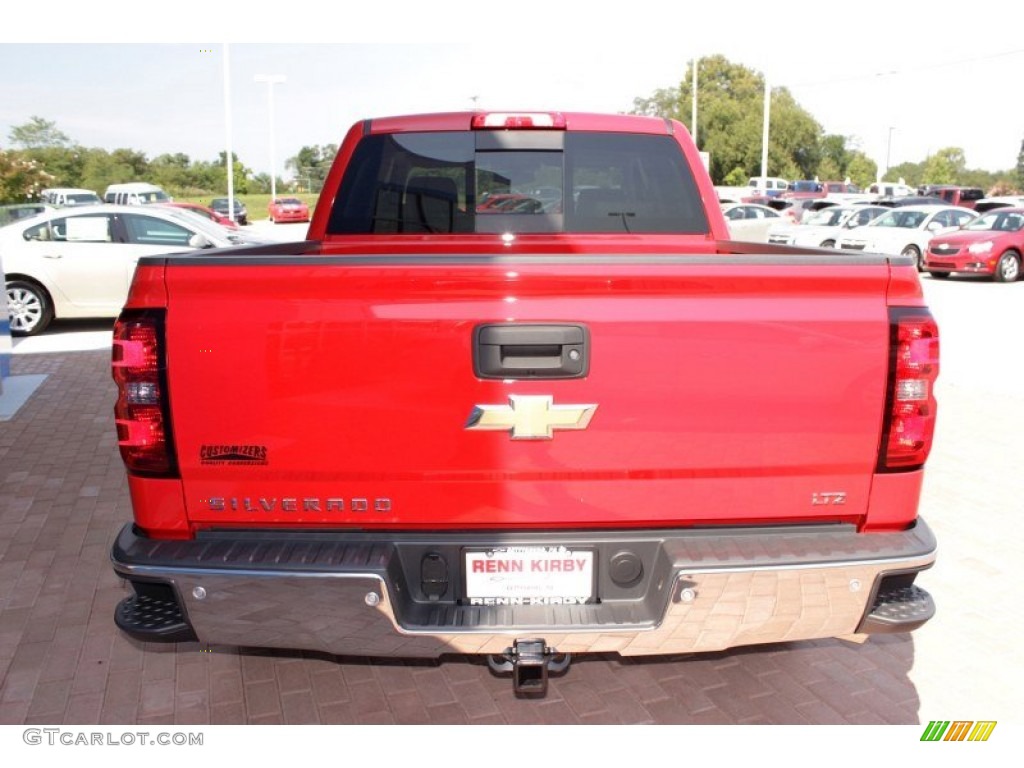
x: 910, y: 402
x: 141, y: 412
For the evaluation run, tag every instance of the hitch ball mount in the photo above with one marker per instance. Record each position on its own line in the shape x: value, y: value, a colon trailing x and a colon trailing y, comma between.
x: 530, y: 660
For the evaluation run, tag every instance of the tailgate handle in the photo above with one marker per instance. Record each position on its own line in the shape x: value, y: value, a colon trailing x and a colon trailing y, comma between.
x: 527, y: 351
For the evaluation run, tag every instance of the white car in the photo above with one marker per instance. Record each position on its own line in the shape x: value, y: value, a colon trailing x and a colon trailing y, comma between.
x: 1005, y: 201
x: 906, y: 231
x: 822, y: 228
x: 749, y: 221
x: 79, y: 262
x: 890, y: 189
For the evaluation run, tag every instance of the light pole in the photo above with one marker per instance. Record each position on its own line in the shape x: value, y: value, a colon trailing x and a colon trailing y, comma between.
x: 764, y: 133
x: 228, y: 154
x: 693, y: 106
x: 271, y: 81
x: 888, y: 151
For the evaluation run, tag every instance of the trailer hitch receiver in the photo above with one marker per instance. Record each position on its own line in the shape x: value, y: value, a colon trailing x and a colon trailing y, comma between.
x: 529, y: 661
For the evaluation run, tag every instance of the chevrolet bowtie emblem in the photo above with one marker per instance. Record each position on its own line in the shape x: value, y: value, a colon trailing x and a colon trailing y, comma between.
x: 530, y: 417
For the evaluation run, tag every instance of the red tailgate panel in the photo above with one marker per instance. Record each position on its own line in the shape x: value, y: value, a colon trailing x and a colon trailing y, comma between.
x: 331, y: 394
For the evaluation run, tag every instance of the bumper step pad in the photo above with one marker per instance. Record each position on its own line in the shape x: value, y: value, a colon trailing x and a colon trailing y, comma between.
x: 899, y: 609
x: 153, y: 615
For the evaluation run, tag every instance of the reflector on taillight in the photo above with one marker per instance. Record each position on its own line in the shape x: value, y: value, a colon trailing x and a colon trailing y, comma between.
x: 518, y: 120
x: 910, y: 402
x: 141, y: 413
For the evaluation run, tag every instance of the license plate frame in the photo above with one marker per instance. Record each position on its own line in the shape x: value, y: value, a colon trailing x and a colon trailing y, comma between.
x: 529, y: 575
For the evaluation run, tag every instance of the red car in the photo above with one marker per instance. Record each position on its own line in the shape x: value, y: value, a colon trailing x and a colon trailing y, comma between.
x: 288, y: 209
x: 208, y: 213
x: 992, y: 244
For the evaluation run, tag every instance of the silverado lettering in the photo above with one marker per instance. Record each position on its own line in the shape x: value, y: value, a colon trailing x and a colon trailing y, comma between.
x: 306, y: 504
x: 765, y: 412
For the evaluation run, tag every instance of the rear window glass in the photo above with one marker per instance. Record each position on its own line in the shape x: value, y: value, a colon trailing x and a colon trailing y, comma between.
x: 450, y: 182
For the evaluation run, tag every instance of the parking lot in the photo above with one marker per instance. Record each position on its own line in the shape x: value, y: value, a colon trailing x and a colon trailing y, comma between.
x: 63, y: 497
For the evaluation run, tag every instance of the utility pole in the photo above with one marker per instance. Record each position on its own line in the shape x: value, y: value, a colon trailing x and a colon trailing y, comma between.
x: 229, y: 157
x: 764, y: 133
x: 271, y: 81
x: 693, y: 109
x: 888, y: 151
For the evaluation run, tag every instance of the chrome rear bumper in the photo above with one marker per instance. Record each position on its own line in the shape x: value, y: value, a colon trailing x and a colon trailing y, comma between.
x: 358, y: 593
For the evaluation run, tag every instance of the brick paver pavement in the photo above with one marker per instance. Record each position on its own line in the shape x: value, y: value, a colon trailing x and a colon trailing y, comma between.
x: 63, y: 497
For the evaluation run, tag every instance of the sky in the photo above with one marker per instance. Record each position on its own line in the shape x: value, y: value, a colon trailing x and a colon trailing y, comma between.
x: 900, y: 83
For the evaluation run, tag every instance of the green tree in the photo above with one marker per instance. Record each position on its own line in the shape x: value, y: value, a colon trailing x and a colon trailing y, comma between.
x: 50, y: 149
x: 311, y: 164
x: 21, y: 179
x: 1020, y: 166
x: 861, y: 169
x: 38, y: 133
x: 240, y: 175
x: 173, y: 172
x: 795, y: 137
x: 177, y: 160
x: 209, y: 176
x: 988, y: 180
x: 828, y: 170
x: 911, y: 173
x: 100, y: 169
x: 737, y: 177
x: 1004, y: 185
x: 944, y: 167
x: 260, y: 183
x: 835, y: 158
x: 730, y: 100
x: 64, y: 164
x: 134, y: 164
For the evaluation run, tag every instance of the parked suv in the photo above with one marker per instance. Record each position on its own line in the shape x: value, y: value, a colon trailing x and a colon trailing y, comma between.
x: 220, y: 205
x: 769, y: 186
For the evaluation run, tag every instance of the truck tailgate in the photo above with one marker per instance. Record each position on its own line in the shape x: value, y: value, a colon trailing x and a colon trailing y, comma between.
x: 337, y: 391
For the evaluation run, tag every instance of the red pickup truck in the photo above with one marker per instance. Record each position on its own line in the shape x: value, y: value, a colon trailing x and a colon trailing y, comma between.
x: 587, y: 424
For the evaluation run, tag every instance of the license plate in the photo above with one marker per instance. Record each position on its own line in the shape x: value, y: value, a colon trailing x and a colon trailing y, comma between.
x: 529, y: 576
